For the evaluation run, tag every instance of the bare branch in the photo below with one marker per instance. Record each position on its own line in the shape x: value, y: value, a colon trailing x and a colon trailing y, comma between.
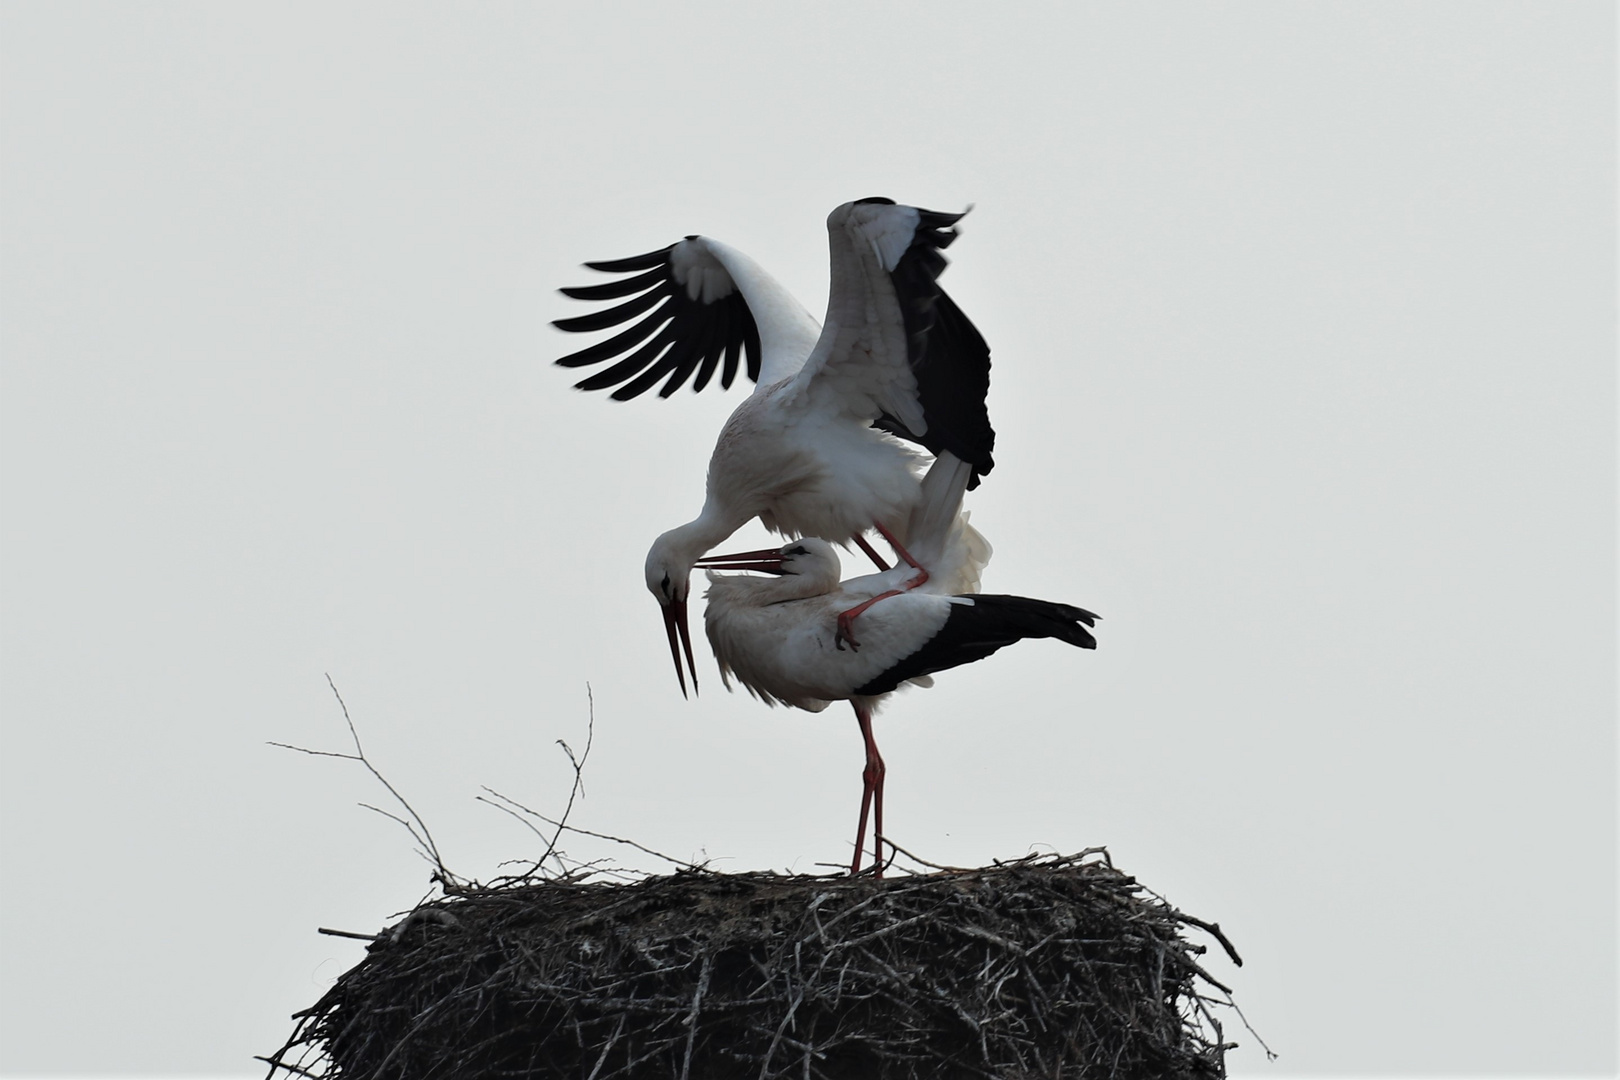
x: 315, y: 753
x: 415, y: 825
x: 564, y: 827
x: 578, y: 787
x: 920, y: 861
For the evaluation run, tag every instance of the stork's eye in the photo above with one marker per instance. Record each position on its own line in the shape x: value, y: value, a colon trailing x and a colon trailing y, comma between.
x: 800, y: 550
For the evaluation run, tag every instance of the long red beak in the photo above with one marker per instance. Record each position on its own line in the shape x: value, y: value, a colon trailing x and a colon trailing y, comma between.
x: 675, y: 624
x: 769, y: 560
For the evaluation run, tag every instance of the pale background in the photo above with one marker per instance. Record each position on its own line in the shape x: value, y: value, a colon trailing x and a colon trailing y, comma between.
x: 1303, y: 328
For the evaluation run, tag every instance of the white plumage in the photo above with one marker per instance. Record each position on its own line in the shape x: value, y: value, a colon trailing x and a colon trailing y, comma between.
x: 780, y: 638
x: 814, y: 450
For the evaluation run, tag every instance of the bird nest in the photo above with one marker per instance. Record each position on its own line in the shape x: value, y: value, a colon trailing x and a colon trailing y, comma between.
x: 1056, y: 966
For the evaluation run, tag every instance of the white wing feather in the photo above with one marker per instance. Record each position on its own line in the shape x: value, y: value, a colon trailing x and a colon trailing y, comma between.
x: 860, y: 366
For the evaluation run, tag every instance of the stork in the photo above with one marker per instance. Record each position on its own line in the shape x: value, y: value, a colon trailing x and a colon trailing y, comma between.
x: 779, y: 636
x: 816, y: 449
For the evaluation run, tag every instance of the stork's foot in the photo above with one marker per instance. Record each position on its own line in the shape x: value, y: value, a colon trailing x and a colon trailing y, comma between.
x: 845, y: 633
x: 847, y: 618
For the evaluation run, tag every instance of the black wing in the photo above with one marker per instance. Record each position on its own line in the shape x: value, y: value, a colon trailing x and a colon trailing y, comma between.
x: 948, y: 355
x: 684, y: 327
x: 974, y: 631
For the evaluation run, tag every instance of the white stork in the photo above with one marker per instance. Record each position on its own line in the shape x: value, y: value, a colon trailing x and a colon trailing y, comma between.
x: 812, y: 451
x: 780, y: 638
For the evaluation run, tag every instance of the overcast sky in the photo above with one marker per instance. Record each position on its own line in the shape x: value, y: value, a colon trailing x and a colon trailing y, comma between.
x: 1302, y: 319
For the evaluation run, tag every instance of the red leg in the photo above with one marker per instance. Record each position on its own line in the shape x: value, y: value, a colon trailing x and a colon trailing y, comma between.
x: 846, y: 618
x: 860, y: 541
x: 871, y: 794
x: 922, y: 574
x: 860, y: 829
x: 845, y: 633
x: 877, y: 817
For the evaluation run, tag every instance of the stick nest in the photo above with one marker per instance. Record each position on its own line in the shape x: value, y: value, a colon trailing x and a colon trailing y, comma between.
x: 1054, y: 967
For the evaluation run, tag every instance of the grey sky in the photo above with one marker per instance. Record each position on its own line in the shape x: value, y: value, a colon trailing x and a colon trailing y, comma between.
x: 1303, y: 327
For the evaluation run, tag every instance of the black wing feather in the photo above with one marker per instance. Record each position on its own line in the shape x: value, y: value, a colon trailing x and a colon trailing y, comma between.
x: 613, y: 316
x: 630, y: 366
x: 674, y: 358
x: 750, y: 343
x: 729, y: 372
x: 678, y: 362
x: 683, y: 367
x: 614, y: 289
x: 613, y: 346
x: 722, y: 341
x: 974, y: 631
x: 949, y: 357
x: 691, y: 336
x: 634, y: 262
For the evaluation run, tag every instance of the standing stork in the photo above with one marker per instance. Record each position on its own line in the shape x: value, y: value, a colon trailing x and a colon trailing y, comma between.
x: 779, y: 637
x: 815, y: 450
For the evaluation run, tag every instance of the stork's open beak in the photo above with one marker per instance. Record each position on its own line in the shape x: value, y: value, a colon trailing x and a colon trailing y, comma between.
x: 768, y: 560
x: 675, y: 624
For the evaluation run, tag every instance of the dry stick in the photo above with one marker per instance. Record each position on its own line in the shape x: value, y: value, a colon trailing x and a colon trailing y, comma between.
x: 274, y: 1065
x: 776, y: 1040
x: 527, y: 824
x: 426, y: 837
x: 612, y: 1041
x: 587, y: 832
x: 1215, y: 930
x: 691, y: 1018
x: 923, y: 862
x: 578, y: 787
x: 1271, y: 1055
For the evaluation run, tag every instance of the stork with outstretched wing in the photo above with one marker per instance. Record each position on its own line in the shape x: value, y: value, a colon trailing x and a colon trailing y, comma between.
x: 818, y: 449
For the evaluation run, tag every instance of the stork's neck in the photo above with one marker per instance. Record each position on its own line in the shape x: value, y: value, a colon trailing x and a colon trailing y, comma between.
x: 787, y: 332
x: 686, y: 544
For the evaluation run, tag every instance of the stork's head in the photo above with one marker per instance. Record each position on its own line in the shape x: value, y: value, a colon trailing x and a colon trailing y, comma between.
x: 669, y: 570
x: 803, y: 568
x: 808, y: 557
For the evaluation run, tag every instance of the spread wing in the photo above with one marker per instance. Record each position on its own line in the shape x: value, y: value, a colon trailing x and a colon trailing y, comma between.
x: 895, y: 349
x: 687, y: 320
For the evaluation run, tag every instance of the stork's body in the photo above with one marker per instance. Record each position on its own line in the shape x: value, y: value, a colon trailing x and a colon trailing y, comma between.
x: 815, y: 450
x: 779, y: 637
x: 801, y: 473
x: 776, y: 637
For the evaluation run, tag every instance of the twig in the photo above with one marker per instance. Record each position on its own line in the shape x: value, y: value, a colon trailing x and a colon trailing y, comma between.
x: 275, y: 1064
x: 1271, y: 1055
x: 923, y: 862
x: 587, y: 832
x: 578, y: 787
x: 425, y: 838
x: 1214, y: 929
x: 691, y: 1017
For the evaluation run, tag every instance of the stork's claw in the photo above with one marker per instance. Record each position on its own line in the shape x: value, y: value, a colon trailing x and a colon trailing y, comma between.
x: 845, y: 634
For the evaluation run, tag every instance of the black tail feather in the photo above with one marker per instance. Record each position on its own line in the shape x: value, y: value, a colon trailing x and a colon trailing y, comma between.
x: 974, y: 631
